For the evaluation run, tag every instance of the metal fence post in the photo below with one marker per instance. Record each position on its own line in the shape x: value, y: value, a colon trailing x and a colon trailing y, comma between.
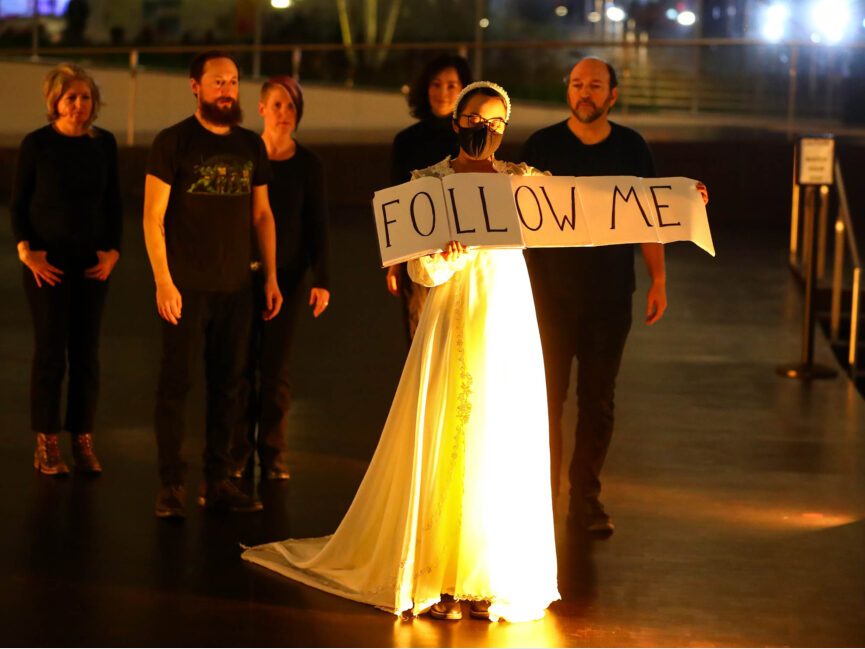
x: 806, y: 369
x: 821, y: 231
x: 133, y: 94
x: 792, y: 76
x: 794, y: 216
x: 296, y: 55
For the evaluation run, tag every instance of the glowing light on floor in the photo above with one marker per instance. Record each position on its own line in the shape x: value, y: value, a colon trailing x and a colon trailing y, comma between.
x: 715, y: 506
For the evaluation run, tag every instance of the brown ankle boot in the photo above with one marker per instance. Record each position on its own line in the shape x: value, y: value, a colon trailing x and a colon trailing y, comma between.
x: 47, y: 458
x: 82, y: 452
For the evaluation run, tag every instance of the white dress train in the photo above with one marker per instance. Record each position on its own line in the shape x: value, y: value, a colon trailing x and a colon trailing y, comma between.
x: 456, y: 498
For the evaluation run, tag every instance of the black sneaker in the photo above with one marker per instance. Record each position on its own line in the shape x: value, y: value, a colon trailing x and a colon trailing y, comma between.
x: 171, y: 501
x: 592, y: 519
x: 224, y: 495
x: 447, y: 609
x: 480, y: 610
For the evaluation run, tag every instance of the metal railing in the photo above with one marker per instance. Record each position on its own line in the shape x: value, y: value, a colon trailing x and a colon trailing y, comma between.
x: 844, y: 233
x: 786, y: 81
x: 845, y: 243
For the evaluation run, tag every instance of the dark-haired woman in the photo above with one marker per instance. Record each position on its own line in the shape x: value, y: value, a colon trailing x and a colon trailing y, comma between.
x: 66, y: 218
x: 431, y: 139
x: 297, y: 198
x: 455, y: 504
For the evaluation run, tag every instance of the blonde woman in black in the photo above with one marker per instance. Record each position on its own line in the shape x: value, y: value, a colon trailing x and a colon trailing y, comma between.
x: 67, y: 220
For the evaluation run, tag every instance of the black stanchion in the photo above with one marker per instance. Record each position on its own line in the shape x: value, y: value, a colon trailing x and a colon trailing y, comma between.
x: 806, y: 368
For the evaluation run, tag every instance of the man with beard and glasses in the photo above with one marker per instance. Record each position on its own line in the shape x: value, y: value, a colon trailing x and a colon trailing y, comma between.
x: 583, y: 295
x: 206, y: 188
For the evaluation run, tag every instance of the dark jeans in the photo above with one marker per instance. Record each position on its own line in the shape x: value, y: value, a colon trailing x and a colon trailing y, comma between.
x: 413, y: 297
x: 267, y: 385
x: 66, y: 322
x: 220, y: 323
x: 597, y: 339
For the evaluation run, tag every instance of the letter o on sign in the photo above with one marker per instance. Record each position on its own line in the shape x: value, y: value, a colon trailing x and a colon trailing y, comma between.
x: 432, y: 214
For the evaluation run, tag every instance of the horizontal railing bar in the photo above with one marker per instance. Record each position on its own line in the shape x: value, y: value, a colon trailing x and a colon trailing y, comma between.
x: 435, y: 45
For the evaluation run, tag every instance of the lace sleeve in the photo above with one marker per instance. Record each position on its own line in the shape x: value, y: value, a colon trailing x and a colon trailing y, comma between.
x: 430, y: 270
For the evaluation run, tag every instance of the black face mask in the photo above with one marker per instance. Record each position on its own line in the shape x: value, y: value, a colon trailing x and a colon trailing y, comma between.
x: 478, y: 141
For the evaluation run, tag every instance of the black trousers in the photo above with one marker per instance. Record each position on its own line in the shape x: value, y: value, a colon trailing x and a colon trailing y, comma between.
x: 66, y: 322
x: 597, y: 339
x: 217, y: 324
x: 267, y: 385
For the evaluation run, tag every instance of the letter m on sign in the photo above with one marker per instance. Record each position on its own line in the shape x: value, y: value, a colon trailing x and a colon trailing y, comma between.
x: 627, y: 197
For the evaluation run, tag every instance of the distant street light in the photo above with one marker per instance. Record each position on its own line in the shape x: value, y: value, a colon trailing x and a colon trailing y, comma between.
x: 484, y: 23
x: 831, y: 18
x: 775, y: 22
x: 686, y: 18
x: 561, y: 11
x: 280, y: 4
x: 594, y: 17
x: 616, y: 14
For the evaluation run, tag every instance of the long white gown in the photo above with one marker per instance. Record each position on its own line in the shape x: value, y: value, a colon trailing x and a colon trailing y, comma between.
x: 457, y: 496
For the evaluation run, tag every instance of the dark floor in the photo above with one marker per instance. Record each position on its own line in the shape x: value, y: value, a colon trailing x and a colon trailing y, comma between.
x: 739, y: 496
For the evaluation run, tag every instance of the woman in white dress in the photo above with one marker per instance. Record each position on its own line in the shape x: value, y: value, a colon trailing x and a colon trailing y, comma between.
x: 455, y: 504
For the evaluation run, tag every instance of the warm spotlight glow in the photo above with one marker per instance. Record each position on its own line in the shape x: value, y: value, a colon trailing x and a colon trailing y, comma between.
x: 484, y: 23
x: 561, y: 11
x: 756, y: 514
x: 594, y: 17
x: 616, y: 14
x: 280, y: 4
x: 686, y: 18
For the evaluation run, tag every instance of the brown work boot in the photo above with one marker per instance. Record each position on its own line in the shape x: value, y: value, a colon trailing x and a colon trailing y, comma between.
x: 82, y: 452
x: 224, y: 495
x: 171, y: 501
x: 47, y: 458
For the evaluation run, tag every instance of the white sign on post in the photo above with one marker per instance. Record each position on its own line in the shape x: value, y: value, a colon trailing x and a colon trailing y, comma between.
x: 498, y: 211
x: 816, y: 160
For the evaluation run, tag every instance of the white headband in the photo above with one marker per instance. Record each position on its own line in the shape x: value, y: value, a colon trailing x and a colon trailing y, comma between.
x: 491, y: 86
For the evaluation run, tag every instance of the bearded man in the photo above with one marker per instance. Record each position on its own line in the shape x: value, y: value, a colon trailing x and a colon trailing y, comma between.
x: 206, y: 186
x: 583, y: 295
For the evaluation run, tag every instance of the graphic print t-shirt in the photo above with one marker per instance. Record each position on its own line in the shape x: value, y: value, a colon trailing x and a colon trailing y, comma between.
x: 209, y: 216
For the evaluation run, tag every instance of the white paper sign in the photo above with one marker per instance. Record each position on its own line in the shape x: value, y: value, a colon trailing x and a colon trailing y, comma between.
x: 816, y: 160
x: 480, y: 210
x: 499, y: 211
x: 550, y: 211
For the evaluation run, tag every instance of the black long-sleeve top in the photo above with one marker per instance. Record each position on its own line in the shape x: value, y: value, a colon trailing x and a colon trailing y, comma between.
x: 298, y: 200
x: 421, y: 145
x: 66, y: 193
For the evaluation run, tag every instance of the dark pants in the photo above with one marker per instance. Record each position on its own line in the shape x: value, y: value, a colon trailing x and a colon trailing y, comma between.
x: 413, y: 298
x: 597, y: 339
x: 66, y: 322
x: 220, y: 323
x: 267, y: 385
